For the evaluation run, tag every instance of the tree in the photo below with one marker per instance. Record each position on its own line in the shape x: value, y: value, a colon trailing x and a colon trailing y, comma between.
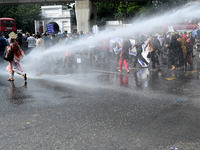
x: 126, y: 10
x: 106, y: 11
x: 23, y: 14
x: 26, y: 14
x: 119, y: 10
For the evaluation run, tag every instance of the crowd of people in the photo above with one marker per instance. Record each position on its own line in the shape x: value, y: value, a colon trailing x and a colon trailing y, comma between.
x: 175, y: 50
x: 172, y: 49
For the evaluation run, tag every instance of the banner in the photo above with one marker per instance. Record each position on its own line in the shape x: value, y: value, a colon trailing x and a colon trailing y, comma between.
x: 50, y: 28
x: 133, y: 51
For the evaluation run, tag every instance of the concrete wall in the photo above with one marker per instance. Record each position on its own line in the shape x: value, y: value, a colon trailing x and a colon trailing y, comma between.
x: 85, y: 15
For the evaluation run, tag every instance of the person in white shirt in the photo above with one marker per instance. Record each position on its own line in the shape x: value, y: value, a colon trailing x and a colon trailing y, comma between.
x: 31, y: 42
x: 40, y: 43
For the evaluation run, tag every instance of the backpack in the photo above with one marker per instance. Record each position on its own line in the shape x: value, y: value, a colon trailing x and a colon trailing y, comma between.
x: 8, y: 54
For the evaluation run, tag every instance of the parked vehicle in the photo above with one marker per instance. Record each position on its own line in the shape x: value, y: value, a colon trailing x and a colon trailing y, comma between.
x: 7, y: 25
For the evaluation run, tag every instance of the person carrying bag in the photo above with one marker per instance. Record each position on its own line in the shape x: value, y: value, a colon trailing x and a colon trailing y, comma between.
x: 14, y: 62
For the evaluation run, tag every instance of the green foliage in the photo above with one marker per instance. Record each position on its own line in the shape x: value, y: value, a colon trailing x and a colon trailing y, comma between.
x: 125, y: 11
x: 26, y: 14
x: 118, y: 10
x: 23, y: 14
x: 106, y: 11
x: 128, y: 10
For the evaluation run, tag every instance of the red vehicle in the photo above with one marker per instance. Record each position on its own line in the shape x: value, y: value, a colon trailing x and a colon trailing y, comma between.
x: 7, y: 25
x: 181, y: 26
x: 184, y: 26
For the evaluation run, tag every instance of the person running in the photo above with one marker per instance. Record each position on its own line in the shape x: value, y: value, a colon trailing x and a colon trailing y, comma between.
x: 14, y: 65
x: 124, y: 56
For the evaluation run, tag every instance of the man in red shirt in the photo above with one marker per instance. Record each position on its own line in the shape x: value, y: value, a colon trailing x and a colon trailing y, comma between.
x: 185, y: 36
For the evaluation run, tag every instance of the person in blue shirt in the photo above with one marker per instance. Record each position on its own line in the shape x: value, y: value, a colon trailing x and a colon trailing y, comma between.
x: 7, y: 40
x: 3, y: 45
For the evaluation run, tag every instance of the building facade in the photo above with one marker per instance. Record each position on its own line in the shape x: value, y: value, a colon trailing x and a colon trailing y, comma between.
x: 62, y: 18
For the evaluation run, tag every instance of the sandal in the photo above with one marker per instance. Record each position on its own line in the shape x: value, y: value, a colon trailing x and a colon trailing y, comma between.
x: 127, y: 72
x: 25, y: 78
x: 10, y: 79
x: 119, y: 70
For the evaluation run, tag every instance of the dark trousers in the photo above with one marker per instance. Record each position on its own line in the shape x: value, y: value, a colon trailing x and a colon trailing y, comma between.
x: 154, y: 59
x: 139, y: 55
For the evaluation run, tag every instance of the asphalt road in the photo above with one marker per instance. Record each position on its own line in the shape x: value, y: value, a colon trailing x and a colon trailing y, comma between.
x: 100, y: 109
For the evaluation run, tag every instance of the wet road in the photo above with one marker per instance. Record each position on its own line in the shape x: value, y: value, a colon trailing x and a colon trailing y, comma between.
x: 100, y: 109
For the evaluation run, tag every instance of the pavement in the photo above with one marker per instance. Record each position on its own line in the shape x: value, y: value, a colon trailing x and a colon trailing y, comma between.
x: 97, y: 108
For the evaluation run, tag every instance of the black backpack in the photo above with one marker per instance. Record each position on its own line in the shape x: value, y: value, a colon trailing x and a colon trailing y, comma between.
x: 8, y: 55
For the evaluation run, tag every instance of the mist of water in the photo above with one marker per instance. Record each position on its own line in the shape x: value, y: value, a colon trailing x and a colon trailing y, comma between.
x: 44, y: 61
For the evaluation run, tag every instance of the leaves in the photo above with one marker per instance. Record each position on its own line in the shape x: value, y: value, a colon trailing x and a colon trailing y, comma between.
x: 127, y: 10
x: 23, y: 14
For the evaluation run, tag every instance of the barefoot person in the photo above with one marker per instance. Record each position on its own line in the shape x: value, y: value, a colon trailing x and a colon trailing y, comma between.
x: 14, y: 65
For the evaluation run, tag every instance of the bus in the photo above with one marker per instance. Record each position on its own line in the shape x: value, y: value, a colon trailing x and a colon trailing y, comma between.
x: 7, y: 25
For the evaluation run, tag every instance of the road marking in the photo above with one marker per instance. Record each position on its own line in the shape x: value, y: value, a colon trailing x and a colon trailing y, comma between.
x: 169, y: 79
x: 190, y: 72
x: 102, y: 71
x: 186, y: 73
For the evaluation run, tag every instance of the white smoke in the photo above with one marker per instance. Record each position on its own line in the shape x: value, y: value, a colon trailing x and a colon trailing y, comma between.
x: 44, y: 61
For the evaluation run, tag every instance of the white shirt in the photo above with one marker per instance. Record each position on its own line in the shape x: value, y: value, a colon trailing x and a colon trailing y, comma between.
x: 40, y: 44
x: 31, y: 42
